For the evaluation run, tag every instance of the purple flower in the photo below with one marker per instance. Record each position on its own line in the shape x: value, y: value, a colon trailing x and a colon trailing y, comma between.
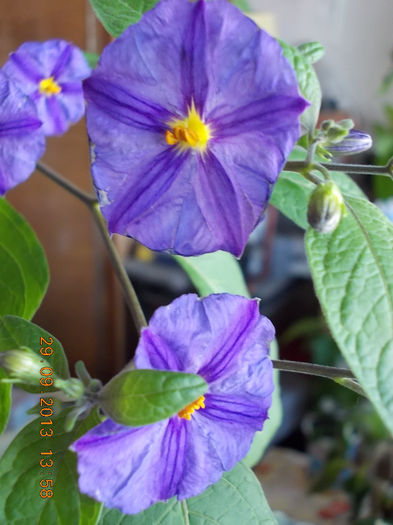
x: 224, y: 339
x: 22, y: 141
x: 51, y: 73
x: 192, y: 113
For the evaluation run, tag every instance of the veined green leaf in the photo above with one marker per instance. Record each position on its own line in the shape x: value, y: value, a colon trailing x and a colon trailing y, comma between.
x: 21, y: 473
x: 353, y: 276
x: 117, y: 15
x: 237, y: 498
x: 308, y: 84
x: 23, y: 268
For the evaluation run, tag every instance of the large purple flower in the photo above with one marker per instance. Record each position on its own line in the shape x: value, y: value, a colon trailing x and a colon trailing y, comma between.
x: 51, y: 73
x: 22, y: 141
x: 224, y: 339
x: 192, y: 113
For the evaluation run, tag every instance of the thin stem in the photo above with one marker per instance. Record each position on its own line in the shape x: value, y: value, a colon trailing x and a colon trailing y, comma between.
x: 92, y: 203
x: 366, y: 169
x: 129, y: 292
x: 67, y: 185
x: 329, y: 372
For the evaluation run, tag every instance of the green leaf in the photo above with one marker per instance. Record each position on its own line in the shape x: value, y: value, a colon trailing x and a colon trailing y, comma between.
x: 263, y: 438
x: 141, y: 397
x: 5, y: 401
x: 117, y: 15
x: 24, y: 270
x: 292, y: 192
x: 16, y: 332
x: 353, y: 277
x: 308, y: 84
x: 217, y: 272
x: 312, y: 51
x: 236, y: 498
x: 20, y: 476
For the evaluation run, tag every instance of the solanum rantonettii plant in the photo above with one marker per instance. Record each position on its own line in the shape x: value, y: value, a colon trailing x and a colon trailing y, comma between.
x: 192, y: 113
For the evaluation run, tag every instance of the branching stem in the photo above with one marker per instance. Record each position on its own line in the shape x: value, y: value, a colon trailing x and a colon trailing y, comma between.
x: 92, y: 203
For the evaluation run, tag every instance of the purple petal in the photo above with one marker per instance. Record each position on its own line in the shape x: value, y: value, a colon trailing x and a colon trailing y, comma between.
x: 221, y: 337
x: 131, y: 468
x: 228, y: 424
x: 22, y: 141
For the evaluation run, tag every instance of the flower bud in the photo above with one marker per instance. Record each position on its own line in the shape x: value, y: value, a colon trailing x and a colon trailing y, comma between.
x: 22, y: 365
x: 325, y: 208
x: 354, y: 142
x: 72, y: 387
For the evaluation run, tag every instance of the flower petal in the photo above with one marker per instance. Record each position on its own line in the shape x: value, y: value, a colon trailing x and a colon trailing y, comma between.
x: 22, y: 141
x: 229, y: 423
x: 131, y: 468
x: 221, y: 337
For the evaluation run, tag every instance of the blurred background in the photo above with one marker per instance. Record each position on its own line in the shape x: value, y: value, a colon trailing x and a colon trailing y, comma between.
x: 332, y: 461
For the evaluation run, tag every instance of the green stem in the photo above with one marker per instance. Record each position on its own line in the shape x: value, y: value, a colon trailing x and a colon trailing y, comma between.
x: 329, y: 372
x: 92, y: 203
x: 366, y: 169
x: 129, y: 292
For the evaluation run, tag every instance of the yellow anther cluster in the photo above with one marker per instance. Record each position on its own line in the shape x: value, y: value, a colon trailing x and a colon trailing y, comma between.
x: 186, y: 412
x: 189, y: 132
x: 49, y: 87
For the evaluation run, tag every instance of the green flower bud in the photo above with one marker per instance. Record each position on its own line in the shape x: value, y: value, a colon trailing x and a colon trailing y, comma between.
x: 72, y: 387
x: 325, y: 207
x: 22, y: 365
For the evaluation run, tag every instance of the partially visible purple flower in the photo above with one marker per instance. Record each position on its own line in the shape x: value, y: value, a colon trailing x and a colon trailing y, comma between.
x: 51, y: 73
x: 192, y: 113
x: 355, y: 142
x: 224, y: 339
x: 22, y: 141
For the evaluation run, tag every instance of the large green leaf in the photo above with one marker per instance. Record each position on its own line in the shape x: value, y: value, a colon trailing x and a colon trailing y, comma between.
x: 5, y: 401
x: 23, y: 267
x: 352, y: 269
x: 16, y: 332
x: 141, y: 397
x: 217, y: 272
x: 308, y: 84
x: 237, y: 498
x: 292, y: 192
x: 263, y: 438
x: 21, y: 473
x: 117, y: 15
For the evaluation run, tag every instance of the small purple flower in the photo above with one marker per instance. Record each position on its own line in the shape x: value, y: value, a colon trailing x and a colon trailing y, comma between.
x: 51, y: 73
x: 224, y: 339
x: 192, y: 112
x: 22, y: 141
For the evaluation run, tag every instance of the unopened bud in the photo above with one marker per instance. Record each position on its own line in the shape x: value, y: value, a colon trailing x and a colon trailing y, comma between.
x: 354, y: 142
x: 325, y: 208
x: 72, y: 387
x: 22, y: 365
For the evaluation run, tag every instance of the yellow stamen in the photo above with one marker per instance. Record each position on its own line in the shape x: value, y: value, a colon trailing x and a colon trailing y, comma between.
x: 186, y: 412
x: 189, y: 132
x: 49, y: 87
